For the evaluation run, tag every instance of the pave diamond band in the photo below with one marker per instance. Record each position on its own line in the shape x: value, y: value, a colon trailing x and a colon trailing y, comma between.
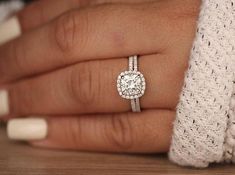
x: 131, y: 84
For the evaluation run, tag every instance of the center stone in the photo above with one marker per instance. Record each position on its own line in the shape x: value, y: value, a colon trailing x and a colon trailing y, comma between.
x: 131, y: 84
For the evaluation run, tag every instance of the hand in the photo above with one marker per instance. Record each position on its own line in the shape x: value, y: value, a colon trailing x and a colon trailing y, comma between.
x: 65, y: 68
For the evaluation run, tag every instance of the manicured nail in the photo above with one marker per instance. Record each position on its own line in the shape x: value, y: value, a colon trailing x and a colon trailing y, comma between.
x: 27, y: 129
x: 4, y: 103
x: 9, y: 30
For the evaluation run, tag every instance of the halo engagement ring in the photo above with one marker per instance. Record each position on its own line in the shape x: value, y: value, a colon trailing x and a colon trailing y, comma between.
x: 131, y: 84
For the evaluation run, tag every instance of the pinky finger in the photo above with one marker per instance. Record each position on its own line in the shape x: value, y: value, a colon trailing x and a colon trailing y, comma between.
x: 146, y: 132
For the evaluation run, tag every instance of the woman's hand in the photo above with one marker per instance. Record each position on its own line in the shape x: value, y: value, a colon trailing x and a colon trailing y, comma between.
x: 65, y: 69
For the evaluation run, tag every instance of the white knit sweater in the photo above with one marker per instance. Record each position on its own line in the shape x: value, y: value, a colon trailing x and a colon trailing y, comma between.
x: 204, y: 129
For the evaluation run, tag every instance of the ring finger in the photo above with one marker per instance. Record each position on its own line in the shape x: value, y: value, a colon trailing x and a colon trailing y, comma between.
x: 90, y: 87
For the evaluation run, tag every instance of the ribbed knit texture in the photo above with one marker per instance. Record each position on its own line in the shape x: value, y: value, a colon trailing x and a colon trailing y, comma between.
x: 203, y: 110
x: 229, y: 145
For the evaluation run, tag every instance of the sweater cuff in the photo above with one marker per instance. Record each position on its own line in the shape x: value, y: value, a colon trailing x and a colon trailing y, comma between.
x: 203, y: 111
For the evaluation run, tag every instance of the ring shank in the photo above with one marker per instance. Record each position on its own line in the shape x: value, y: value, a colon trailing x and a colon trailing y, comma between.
x: 135, y: 105
x: 133, y: 63
x: 133, y: 66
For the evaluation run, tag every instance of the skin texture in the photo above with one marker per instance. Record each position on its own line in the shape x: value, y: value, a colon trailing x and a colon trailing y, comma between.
x: 65, y: 64
x: 44, y: 10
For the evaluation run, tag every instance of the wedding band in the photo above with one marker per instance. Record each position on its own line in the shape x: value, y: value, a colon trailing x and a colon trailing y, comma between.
x: 131, y: 84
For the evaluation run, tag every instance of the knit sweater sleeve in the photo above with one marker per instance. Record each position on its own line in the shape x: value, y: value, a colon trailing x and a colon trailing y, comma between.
x: 204, y: 129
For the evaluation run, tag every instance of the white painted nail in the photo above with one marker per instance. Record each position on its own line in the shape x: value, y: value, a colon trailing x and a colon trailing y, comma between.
x: 9, y: 30
x: 27, y: 129
x: 4, y: 103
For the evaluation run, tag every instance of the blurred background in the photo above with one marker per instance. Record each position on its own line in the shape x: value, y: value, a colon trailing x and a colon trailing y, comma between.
x: 15, y: 0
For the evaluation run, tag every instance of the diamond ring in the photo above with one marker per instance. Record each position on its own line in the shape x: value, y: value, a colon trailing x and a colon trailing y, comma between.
x: 131, y: 84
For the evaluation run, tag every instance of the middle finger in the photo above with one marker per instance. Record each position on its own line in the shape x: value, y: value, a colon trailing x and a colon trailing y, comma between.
x: 41, y: 12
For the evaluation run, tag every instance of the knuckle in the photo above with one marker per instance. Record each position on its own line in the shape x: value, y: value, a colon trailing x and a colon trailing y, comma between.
x: 70, y: 31
x: 119, y: 132
x: 65, y: 30
x: 21, y: 103
x: 73, y: 132
x: 83, y: 85
x: 17, y: 57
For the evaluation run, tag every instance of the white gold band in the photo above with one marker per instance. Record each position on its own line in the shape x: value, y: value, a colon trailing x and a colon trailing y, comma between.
x: 133, y: 66
x: 135, y: 105
x: 133, y: 63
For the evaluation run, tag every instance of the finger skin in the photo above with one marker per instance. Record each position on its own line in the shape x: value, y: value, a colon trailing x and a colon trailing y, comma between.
x: 146, y: 132
x: 99, y: 32
x: 90, y: 87
x: 41, y: 12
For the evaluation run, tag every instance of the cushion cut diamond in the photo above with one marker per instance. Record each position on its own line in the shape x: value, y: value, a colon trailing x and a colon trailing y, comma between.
x: 131, y: 84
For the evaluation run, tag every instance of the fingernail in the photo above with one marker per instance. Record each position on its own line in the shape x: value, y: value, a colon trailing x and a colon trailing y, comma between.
x: 27, y: 129
x: 9, y: 30
x: 4, y: 104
